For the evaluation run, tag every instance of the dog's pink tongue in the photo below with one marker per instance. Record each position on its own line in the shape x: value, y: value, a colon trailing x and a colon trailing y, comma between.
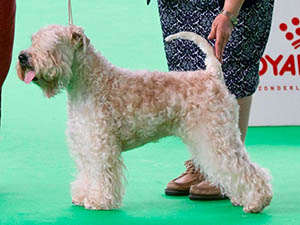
x: 29, y: 77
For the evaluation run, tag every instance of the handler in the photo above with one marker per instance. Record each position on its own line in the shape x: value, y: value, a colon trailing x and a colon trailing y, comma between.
x: 7, y: 28
x: 240, y: 29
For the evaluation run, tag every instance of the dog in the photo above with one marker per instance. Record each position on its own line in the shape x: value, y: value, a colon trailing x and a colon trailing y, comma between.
x: 112, y: 110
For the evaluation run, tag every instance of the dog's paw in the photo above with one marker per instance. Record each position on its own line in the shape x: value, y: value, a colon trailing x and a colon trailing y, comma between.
x: 235, y: 202
x: 78, y: 198
x: 79, y: 203
x: 258, y: 206
x: 253, y: 208
x: 93, y: 204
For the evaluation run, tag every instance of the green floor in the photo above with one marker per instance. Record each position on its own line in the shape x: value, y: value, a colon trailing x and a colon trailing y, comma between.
x: 35, y: 167
x: 36, y: 171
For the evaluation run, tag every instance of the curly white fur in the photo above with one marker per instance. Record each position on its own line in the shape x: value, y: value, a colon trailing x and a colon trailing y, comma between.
x: 111, y: 110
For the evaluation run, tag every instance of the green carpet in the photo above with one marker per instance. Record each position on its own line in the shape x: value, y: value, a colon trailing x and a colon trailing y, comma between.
x: 35, y: 166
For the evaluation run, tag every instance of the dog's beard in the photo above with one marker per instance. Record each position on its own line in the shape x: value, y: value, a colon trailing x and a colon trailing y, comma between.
x: 50, y: 88
x: 49, y: 84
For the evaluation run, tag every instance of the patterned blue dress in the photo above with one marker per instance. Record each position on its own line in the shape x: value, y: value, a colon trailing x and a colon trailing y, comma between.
x: 243, y: 51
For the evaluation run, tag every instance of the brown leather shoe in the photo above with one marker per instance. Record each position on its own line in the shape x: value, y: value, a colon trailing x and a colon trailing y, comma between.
x: 205, y: 191
x: 181, y: 185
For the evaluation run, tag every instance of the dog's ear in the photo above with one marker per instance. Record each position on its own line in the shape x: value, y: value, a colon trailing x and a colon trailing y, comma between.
x: 78, y: 39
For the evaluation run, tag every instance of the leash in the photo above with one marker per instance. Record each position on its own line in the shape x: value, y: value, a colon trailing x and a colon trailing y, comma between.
x: 70, y: 13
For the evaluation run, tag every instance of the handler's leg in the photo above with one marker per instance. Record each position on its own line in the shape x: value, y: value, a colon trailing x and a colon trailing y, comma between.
x: 245, y: 106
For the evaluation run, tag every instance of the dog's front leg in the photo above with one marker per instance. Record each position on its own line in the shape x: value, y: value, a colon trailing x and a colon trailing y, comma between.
x: 104, y: 168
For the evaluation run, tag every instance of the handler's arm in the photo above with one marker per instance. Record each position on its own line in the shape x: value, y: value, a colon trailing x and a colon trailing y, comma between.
x: 233, y: 6
x: 222, y: 26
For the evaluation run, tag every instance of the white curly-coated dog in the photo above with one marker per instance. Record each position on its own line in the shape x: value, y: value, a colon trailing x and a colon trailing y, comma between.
x: 112, y: 110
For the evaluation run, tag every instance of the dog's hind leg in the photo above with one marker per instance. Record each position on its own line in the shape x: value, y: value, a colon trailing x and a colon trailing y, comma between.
x: 219, y: 152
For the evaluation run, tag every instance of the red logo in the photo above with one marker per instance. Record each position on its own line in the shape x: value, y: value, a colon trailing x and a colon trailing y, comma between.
x: 289, y: 35
x: 290, y: 64
x: 283, y: 65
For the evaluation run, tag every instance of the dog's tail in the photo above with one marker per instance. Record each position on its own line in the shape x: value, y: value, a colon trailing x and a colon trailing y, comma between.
x: 211, y: 62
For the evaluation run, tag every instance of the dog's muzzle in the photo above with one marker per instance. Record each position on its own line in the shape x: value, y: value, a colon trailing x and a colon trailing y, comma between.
x: 23, y: 59
x: 24, y: 63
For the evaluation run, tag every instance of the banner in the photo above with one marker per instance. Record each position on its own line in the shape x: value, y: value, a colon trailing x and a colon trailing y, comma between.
x: 277, y: 100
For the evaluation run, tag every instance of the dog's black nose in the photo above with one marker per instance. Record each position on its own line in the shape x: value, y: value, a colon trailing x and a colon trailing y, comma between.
x: 23, y: 59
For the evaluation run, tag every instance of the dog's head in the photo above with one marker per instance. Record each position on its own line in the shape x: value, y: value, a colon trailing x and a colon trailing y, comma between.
x: 48, y: 61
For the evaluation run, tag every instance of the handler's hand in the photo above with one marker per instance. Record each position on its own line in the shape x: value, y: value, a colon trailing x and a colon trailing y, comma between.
x: 220, y: 30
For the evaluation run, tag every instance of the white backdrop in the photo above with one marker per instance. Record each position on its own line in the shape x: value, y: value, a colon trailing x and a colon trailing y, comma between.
x: 277, y: 100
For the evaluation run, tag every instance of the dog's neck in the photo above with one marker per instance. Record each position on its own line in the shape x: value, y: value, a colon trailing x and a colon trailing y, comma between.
x: 89, y: 72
